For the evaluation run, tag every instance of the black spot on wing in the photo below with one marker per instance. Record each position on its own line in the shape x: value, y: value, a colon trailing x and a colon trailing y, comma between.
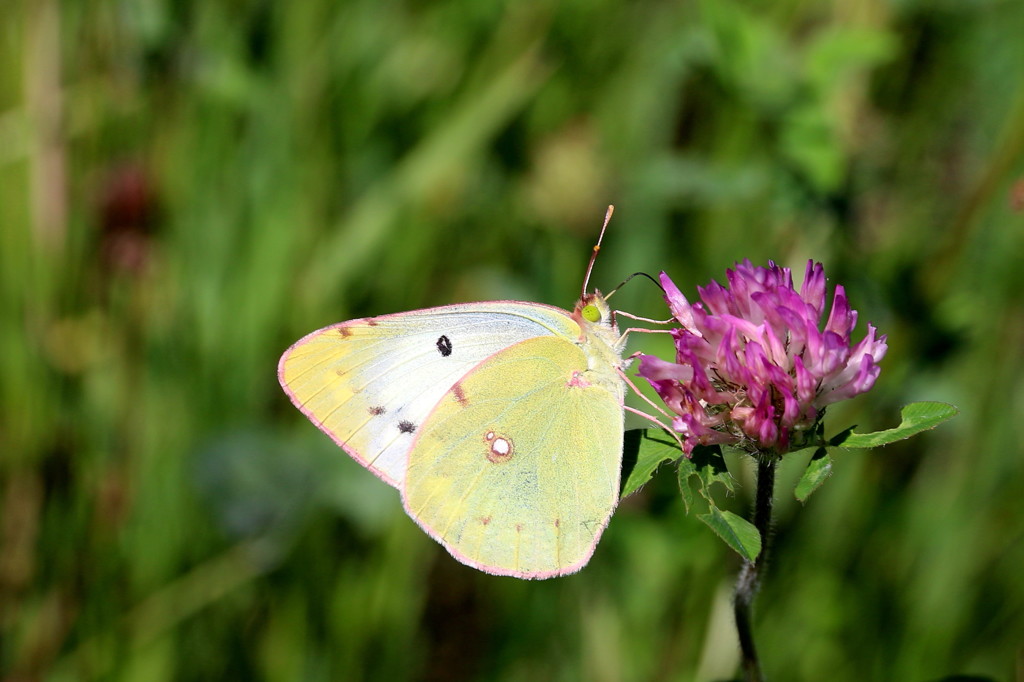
x: 444, y: 346
x: 406, y: 426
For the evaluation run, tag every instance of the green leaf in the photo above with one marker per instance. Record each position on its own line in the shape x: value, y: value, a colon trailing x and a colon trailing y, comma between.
x: 737, y: 532
x: 707, y: 465
x: 643, y: 451
x: 686, y: 469
x: 916, y: 417
x: 712, y: 466
x: 818, y: 469
x: 840, y: 437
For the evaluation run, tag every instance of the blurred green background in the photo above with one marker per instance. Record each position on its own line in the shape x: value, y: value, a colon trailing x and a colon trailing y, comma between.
x: 187, y: 187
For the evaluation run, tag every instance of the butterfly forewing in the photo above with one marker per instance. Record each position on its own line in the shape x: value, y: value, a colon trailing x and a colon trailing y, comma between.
x: 516, y: 471
x: 370, y: 383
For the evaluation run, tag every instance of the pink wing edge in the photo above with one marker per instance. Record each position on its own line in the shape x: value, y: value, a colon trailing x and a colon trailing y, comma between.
x: 526, y: 575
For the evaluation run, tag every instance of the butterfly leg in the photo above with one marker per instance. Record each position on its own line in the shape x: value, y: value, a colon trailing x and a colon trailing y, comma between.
x: 649, y: 417
x: 631, y: 316
x: 657, y: 422
x: 630, y: 330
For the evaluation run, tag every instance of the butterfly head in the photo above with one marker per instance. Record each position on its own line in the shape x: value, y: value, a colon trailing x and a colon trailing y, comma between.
x: 592, y: 310
x: 599, y: 336
x: 595, y: 318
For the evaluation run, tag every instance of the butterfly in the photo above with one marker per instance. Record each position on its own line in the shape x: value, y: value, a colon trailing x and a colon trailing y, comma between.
x: 500, y: 422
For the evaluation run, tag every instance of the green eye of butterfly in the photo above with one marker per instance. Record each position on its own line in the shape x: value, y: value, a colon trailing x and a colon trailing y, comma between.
x: 591, y: 313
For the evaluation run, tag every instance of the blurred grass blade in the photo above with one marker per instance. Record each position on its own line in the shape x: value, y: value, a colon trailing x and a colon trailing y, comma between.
x: 469, y: 127
x: 172, y: 604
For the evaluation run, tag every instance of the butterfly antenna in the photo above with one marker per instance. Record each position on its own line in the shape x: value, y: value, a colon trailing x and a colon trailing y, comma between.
x: 635, y: 274
x: 597, y: 247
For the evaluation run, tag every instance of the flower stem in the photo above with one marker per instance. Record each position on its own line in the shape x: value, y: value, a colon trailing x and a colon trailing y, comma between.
x: 750, y: 575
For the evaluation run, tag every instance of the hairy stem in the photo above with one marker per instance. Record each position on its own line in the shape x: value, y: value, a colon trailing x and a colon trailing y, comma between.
x: 750, y: 575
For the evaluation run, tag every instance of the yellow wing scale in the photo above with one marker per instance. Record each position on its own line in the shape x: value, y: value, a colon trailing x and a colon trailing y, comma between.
x: 516, y: 472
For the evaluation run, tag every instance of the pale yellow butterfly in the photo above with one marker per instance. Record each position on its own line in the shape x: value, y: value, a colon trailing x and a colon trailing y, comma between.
x: 500, y: 422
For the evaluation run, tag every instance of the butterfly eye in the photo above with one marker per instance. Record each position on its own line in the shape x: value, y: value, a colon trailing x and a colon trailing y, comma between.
x: 591, y: 313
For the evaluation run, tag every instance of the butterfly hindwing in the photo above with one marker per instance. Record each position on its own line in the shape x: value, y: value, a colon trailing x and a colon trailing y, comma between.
x: 516, y: 471
x: 370, y: 383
